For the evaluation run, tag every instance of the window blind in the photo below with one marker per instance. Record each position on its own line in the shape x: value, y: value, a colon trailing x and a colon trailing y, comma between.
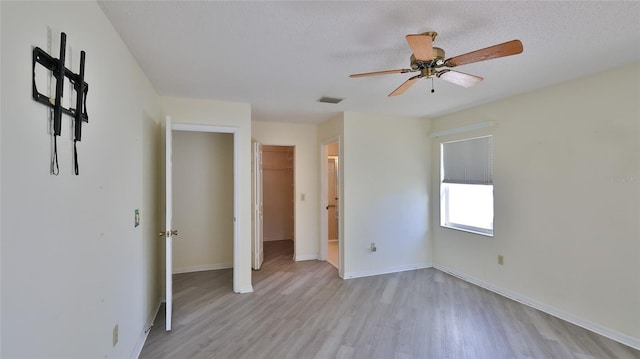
x: 468, y: 161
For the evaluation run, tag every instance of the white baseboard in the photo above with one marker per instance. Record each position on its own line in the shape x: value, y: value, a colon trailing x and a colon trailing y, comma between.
x: 581, y: 322
x: 137, y: 350
x: 245, y: 289
x: 404, y: 268
x: 305, y: 257
x: 201, y: 268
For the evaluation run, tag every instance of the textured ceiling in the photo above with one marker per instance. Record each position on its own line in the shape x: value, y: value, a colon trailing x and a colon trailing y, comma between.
x: 283, y: 56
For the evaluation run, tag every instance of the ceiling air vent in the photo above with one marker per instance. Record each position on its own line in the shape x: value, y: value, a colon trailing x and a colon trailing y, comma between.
x: 330, y: 100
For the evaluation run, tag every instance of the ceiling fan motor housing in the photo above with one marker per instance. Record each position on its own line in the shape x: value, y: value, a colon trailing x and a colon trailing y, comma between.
x: 436, y: 61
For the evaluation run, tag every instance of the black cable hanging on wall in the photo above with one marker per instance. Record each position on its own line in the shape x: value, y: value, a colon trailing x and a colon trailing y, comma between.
x: 79, y: 113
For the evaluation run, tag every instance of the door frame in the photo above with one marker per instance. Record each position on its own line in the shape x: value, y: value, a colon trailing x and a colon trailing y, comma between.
x: 236, y: 186
x: 257, y: 247
x: 168, y: 224
x: 324, y: 190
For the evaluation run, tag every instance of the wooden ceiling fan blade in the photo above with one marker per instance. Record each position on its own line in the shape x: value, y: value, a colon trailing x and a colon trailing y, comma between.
x: 508, y: 48
x: 405, y: 86
x: 376, y: 73
x: 421, y: 45
x: 459, y: 78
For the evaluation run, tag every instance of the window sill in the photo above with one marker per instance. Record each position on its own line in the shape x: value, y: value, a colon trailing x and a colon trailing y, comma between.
x: 468, y: 230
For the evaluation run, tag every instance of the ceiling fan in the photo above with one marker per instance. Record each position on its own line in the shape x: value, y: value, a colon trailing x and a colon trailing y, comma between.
x: 429, y: 60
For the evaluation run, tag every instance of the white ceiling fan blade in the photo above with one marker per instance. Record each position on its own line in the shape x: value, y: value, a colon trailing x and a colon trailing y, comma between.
x: 459, y: 78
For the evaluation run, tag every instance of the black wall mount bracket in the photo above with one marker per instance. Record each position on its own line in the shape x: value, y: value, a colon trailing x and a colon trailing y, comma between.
x: 81, y: 88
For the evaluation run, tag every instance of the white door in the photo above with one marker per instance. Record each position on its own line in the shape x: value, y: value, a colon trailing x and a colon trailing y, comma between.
x: 257, y: 254
x: 169, y: 232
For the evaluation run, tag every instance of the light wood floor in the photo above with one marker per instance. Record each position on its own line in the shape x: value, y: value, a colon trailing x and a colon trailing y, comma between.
x: 303, y: 310
x: 333, y: 248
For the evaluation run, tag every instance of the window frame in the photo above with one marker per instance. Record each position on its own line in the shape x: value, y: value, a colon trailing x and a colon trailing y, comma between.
x: 444, y: 214
x: 444, y: 194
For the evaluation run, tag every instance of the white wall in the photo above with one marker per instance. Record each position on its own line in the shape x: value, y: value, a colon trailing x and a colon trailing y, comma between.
x: 202, y: 201
x: 237, y: 115
x: 73, y: 265
x: 331, y: 128
x: 150, y: 215
x: 567, y: 202
x: 306, y: 178
x: 386, y: 179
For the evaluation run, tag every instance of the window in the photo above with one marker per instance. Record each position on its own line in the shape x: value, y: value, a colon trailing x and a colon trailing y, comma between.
x: 466, y: 192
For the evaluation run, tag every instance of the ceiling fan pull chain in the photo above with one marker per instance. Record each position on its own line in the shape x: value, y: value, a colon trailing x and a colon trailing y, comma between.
x: 432, y: 90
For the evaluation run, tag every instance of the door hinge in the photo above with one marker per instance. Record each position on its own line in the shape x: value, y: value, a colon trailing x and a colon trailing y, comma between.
x: 173, y: 232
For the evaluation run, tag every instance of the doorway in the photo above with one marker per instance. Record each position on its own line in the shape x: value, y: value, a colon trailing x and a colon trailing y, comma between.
x: 332, y: 208
x: 203, y: 201
x: 170, y: 230
x: 275, y: 209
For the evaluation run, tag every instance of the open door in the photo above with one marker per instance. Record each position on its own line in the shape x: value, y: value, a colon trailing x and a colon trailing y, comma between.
x: 332, y: 198
x: 331, y: 243
x: 169, y: 232
x: 333, y: 213
x: 257, y: 253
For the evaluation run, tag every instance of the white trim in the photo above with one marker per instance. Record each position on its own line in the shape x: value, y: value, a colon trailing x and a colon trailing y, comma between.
x: 137, y: 349
x: 257, y: 242
x: 323, y: 197
x: 306, y: 257
x: 453, y: 131
x: 236, y: 187
x: 236, y: 208
x: 168, y: 256
x: 571, y: 318
x: 203, y: 128
x: 397, y: 269
x: 202, y: 268
x: 247, y: 289
x: 467, y: 229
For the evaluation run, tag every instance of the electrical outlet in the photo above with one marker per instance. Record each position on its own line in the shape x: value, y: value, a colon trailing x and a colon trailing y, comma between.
x: 500, y: 259
x: 115, y: 335
x: 373, y: 247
